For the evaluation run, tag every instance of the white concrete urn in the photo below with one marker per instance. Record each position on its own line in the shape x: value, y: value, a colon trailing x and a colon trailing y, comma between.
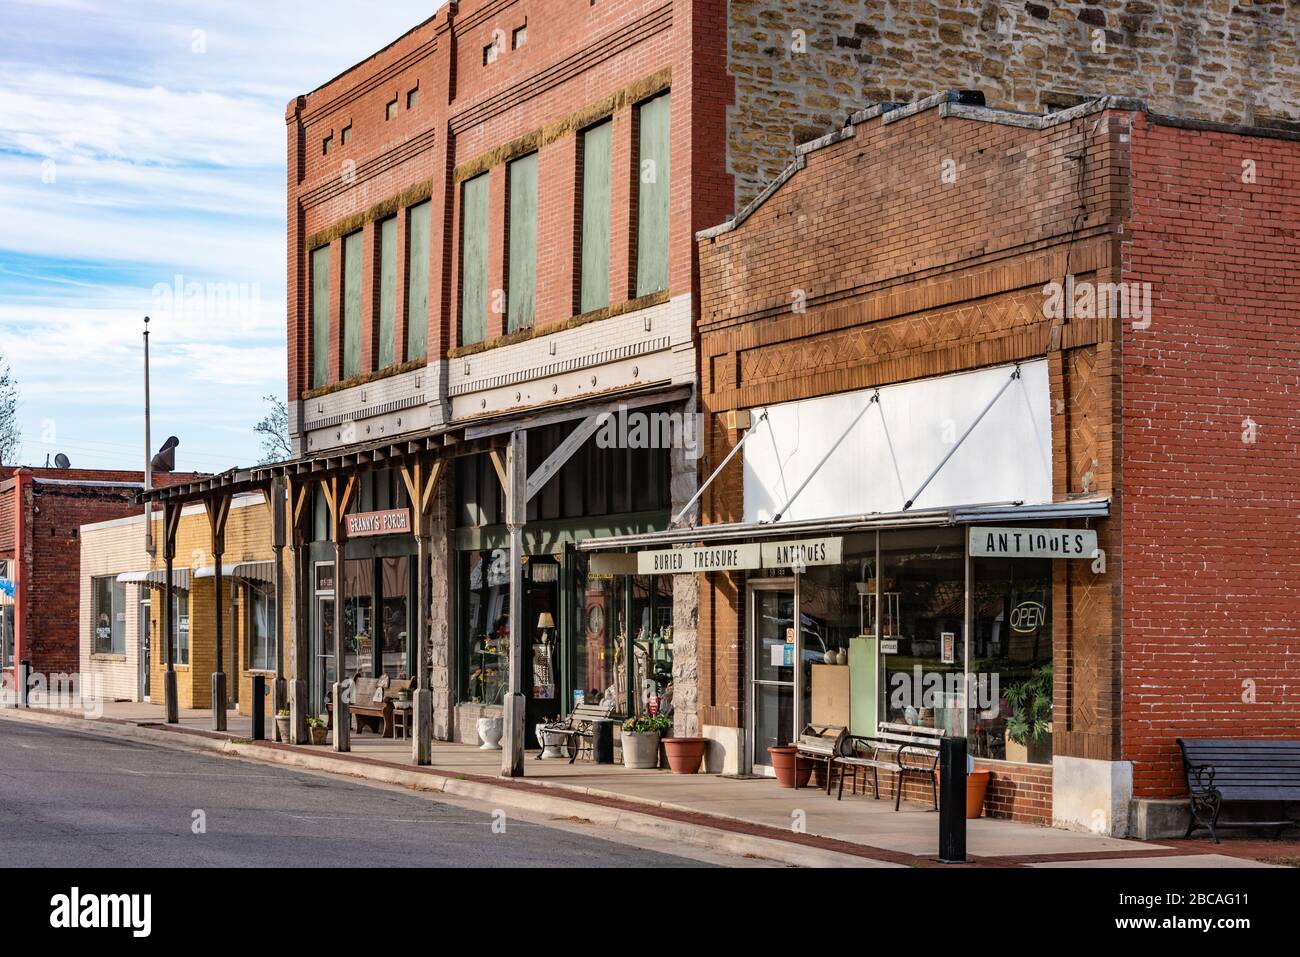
x: 550, y: 741
x: 490, y: 731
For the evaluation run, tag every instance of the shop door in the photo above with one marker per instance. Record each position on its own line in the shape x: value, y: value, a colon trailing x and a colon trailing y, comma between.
x: 773, y: 655
x: 324, y: 651
x: 145, y: 634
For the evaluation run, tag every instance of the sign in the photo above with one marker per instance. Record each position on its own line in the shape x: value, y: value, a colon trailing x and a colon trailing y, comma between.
x: 1028, y: 617
x: 1032, y: 542
x: 714, y: 558
x: 889, y: 646
x: 394, y: 521
x: 948, y: 647
x: 802, y: 552
x: 782, y: 655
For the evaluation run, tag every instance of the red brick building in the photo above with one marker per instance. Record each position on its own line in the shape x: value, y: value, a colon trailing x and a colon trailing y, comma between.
x: 41, y: 513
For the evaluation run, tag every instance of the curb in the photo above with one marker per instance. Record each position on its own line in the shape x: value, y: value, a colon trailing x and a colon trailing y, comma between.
x: 602, y: 808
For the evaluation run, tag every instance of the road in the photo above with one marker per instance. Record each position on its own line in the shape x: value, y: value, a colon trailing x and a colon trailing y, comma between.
x: 69, y: 799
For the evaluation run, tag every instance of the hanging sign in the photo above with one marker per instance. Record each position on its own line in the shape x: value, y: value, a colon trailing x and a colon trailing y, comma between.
x: 714, y: 558
x: 801, y: 552
x: 1032, y: 542
x: 394, y: 521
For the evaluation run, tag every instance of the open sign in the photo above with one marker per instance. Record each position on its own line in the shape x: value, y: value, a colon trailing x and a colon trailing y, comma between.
x: 1028, y: 617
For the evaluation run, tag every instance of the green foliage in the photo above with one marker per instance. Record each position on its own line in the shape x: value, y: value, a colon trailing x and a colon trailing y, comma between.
x: 644, y: 724
x: 1031, y: 707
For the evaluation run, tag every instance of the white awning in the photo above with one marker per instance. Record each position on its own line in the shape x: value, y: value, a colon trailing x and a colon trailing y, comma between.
x: 157, y: 578
x: 248, y: 571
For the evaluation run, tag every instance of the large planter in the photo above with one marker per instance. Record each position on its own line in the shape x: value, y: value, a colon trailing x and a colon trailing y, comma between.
x: 640, y: 750
x: 489, y: 732
x: 317, y: 734
x: 977, y: 786
x: 685, y: 754
x: 282, y: 725
x: 791, y: 770
x: 550, y: 741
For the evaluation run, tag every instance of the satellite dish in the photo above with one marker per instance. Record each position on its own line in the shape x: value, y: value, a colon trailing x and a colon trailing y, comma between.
x: 165, y: 460
x: 61, y: 461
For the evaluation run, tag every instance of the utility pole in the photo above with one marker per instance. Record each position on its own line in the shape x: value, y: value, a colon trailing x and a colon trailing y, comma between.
x: 148, y: 451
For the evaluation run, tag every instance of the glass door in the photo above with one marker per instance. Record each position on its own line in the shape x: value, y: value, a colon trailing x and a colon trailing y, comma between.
x: 773, y: 654
x: 144, y: 635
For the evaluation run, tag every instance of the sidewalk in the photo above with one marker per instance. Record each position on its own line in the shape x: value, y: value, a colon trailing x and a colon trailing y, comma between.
x: 739, y: 815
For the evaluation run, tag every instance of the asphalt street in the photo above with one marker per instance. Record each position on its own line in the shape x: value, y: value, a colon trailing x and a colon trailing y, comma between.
x: 74, y: 800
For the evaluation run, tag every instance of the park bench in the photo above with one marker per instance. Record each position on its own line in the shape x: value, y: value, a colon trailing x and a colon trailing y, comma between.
x: 372, y: 703
x: 905, y: 749
x: 577, y: 727
x: 1230, y: 770
x: 825, y: 743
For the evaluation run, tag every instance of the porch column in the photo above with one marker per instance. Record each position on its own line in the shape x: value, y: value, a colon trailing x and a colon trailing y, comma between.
x: 298, y: 704
x: 512, y: 752
x: 421, y: 479
x: 218, y: 509
x: 278, y: 519
x: 338, y: 498
x: 171, y: 520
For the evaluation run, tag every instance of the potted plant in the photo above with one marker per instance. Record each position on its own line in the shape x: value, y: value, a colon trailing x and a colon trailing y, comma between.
x: 641, y: 736
x: 791, y: 770
x: 282, y: 724
x: 685, y: 755
x: 316, y: 731
x: 1029, y: 729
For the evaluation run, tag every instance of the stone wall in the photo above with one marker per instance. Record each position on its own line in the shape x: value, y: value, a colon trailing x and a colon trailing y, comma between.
x: 801, y: 69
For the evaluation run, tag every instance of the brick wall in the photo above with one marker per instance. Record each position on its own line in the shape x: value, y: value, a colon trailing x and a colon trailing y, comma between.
x: 801, y: 68
x: 1212, y: 568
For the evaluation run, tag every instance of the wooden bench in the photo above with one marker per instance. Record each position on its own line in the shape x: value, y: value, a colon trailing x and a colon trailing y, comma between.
x: 577, y: 728
x: 365, y: 709
x: 825, y: 743
x: 1220, y: 770
x: 905, y: 749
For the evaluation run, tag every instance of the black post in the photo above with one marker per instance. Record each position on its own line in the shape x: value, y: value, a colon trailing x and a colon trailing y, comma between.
x: 952, y: 800
x: 602, y: 742
x: 24, y: 682
x: 259, y: 707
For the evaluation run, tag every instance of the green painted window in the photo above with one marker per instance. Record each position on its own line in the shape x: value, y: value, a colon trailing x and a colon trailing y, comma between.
x: 320, y: 316
x: 387, y: 234
x: 352, y: 304
x: 417, y: 283
x: 652, y: 196
x: 473, y: 259
x: 522, y: 290
x: 596, y: 159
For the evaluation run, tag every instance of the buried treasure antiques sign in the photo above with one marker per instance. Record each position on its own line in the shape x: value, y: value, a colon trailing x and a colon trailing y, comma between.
x: 1032, y: 542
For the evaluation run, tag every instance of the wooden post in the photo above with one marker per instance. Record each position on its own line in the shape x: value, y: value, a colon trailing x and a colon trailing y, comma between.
x: 171, y: 521
x: 278, y: 535
x: 512, y: 752
x: 338, y: 500
x: 421, y: 480
x: 218, y: 509
x: 298, y: 704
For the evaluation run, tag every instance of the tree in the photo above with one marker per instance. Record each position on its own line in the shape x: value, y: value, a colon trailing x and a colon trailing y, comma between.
x: 10, y: 434
x: 274, y: 431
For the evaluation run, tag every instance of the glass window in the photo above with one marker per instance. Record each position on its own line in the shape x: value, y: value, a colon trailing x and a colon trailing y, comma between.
x: 652, y: 196
x: 320, y: 316
x: 395, y: 574
x: 259, y: 604
x: 413, y: 98
x: 6, y: 614
x: 180, y: 627
x: 358, y: 626
x: 485, y: 631
x: 387, y: 235
x: 417, y: 282
x: 651, y: 651
x: 474, y: 260
x: 352, y: 304
x: 596, y: 160
x: 522, y: 275
x: 519, y: 37
x: 109, y: 608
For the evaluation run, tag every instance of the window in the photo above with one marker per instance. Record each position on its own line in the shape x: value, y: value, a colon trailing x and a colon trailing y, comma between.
x: 259, y: 604
x: 352, y: 304
x: 413, y: 98
x: 387, y: 236
x: 109, y: 609
x: 326, y: 145
x: 417, y: 280
x: 519, y: 37
x: 491, y: 52
x: 347, y: 134
x: 6, y: 614
x: 652, y: 196
x: 473, y: 260
x: 180, y: 627
x: 320, y: 316
x: 390, y: 109
x: 521, y: 285
x: 594, y: 267
x: 485, y: 653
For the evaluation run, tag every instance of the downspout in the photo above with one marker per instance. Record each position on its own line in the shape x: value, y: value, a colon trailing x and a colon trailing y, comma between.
x: 22, y: 482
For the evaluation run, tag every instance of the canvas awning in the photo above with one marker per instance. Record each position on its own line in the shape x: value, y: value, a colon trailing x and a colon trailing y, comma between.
x: 157, y: 578
x: 263, y: 572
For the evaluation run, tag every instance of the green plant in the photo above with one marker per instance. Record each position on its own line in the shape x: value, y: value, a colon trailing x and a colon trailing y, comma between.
x: 1031, y: 707
x: 645, y: 724
x: 315, y: 722
x: 282, y: 713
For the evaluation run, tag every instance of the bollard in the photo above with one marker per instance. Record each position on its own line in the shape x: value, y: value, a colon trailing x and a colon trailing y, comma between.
x: 952, y: 800
x: 602, y: 742
x: 259, y: 707
x: 24, y: 682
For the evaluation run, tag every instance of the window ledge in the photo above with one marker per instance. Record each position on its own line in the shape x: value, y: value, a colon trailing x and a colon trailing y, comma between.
x: 364, y: 378
x: 106, y: 656
x: 533, y: 332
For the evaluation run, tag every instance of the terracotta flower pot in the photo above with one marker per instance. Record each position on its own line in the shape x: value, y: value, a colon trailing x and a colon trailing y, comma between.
x: 977, y: 785
x: 685, y: 754
x: 791, y: 770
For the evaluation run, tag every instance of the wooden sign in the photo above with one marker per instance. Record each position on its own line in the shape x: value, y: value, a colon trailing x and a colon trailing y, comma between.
x: 1032, y: 542
x: 802, y: 552
x: 715, y: 558
x: 395, y: 521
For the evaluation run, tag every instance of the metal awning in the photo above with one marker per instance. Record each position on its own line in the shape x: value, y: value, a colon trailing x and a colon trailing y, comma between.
x: 1001, y: 513
x: 263, y: 572
x: 157, y: 578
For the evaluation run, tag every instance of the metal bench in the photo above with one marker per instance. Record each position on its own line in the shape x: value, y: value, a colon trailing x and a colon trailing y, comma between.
x: 577, y: 727
x: 904, y: 749
x: 823, y: 742
x: 1220, y: 770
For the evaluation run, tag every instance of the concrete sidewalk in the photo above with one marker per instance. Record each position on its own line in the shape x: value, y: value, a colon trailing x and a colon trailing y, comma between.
x: 805, y: 827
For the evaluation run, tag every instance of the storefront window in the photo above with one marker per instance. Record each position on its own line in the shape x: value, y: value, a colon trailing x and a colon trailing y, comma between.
x: 597, y: 658
x: 180, y: 627
x: 260, y: 604
x: 651, y: 651
x: 394, y: 624
x: 6, y: 614
x: 485, y: 614
x: 109, y: 609
x: 358, y: 623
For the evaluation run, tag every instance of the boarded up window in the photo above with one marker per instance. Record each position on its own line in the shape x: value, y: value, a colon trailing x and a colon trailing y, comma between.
x: 596, y: 158
x: 320, y: 316
x: 473, y: 260
x: 352, y: 305
x: 522, y: 289
x: 417, y: 283
x: 387, y: 292
x: 652, y: 197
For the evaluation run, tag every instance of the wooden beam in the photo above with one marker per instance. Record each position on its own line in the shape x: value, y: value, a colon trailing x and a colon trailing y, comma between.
x: 498, y: 463
x: 563, y: 452
x: 435, y: 475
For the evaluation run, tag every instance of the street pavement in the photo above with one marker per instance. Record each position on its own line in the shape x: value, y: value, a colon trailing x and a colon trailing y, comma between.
x: 70, y: 799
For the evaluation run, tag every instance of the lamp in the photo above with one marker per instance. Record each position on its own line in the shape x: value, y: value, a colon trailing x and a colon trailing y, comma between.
x: 545, y: 623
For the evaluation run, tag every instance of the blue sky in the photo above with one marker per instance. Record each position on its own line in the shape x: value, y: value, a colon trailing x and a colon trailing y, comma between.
x: 142, y: 149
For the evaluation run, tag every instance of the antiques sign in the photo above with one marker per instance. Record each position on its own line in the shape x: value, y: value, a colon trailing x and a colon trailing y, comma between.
x: 391, y: 522
x: 801, y: 552
x: 715, y: 558
x: 1032, y: 542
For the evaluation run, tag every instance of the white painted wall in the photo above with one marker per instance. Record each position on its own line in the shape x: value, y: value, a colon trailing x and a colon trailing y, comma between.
x: 1007, y: 458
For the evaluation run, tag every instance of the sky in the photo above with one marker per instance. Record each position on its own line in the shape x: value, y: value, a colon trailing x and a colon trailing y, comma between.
x: 142, y: 172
